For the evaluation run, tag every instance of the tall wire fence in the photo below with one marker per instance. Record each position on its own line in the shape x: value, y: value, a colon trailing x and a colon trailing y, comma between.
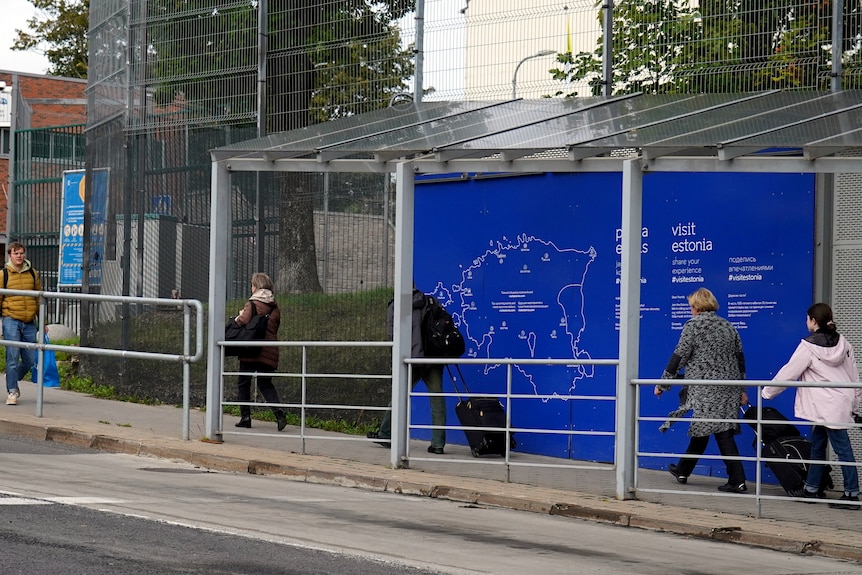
x: 169, y: 81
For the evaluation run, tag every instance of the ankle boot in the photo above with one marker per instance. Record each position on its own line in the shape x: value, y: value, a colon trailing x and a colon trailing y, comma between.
x: 280, y: 419
x: 244, y: 421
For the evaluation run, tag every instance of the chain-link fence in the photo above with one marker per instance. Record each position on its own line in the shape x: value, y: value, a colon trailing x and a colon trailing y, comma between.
x: 170, y: 81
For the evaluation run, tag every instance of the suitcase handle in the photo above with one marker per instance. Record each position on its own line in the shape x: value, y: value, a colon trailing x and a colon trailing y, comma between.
x: 454, y: 381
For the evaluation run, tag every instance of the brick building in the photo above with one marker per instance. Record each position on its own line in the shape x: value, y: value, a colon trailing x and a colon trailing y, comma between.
x: 40, y: 110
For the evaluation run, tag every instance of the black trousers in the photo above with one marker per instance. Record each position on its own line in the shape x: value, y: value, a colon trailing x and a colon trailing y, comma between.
x: 726, y: 446
x: 264, y: 384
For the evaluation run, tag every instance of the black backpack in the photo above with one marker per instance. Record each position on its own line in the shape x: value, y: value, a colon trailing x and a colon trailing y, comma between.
x: 440, y: 336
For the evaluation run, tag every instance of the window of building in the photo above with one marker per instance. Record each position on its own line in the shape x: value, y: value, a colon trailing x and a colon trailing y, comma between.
x: 5, y: 134
x: 54, y: 145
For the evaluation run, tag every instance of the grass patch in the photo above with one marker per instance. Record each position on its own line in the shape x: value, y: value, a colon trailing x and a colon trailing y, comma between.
x: 357, y: 317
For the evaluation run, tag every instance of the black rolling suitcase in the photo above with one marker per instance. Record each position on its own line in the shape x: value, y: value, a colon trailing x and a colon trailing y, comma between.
x: 792, y: 448
x: 482, y: 412
x: 773, y: 425
x: 791, y: 475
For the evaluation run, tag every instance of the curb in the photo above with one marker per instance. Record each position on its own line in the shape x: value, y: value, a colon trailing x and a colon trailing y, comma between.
x: 486, y: 492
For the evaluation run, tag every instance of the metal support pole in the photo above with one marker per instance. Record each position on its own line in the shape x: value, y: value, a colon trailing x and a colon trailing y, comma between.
x: 13, y: 169
x: 325, y: 250
x: 837, y: 44
x: 607, y: 48
x: 630, y: 285
x: 219, y: 222
x: 262, y: 50
x: 419, y: 51
x: 259, y: 211
x: 824, y: 232
x: 87, y: 260
x: 387, y: 183
x: 403, y: 304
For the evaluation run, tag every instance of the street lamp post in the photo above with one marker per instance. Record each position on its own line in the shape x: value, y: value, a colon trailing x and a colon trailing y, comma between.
x: 515, y: 75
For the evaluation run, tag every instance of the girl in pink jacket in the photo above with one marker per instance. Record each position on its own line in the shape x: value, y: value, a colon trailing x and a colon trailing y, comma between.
x: 824, y: 356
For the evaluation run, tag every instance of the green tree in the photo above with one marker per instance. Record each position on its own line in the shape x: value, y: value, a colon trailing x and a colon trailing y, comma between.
x: 714, y: 46
x: 648, y: 36
x: 355, y: 66
x: 61, y: 31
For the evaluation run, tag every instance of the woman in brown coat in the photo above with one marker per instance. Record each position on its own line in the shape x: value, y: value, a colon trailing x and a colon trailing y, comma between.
x: 266, y: 361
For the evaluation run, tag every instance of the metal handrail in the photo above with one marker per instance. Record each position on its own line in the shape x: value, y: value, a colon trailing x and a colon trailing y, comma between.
x: 185, y: 358
x: 758, y: 458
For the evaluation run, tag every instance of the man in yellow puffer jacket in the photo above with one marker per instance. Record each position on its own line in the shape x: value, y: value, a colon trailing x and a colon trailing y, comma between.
x: 19, y: 317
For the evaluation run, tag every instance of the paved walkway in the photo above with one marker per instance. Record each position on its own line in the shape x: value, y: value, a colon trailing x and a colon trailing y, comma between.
x: 696, y: 509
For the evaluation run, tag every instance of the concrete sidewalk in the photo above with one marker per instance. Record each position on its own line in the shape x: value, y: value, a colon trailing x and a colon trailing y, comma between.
x: 696, y: 509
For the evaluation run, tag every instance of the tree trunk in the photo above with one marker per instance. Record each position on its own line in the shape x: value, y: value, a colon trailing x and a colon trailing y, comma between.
x: 290, y: 89
x: 291, y: 85
x: 297, y: 262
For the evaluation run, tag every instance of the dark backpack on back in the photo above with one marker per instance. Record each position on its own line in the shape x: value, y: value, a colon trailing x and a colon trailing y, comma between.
x: 440, y: 336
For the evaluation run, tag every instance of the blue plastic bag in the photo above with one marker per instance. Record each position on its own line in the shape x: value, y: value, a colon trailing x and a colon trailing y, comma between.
x: 52, y: 374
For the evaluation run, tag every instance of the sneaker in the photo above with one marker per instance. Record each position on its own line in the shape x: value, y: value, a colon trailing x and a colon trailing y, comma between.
x: 733, y: 488
x: 674, y: 470
x: 849, y: 506
x: 803, y: 493
x: 12, y: 398
x: 435, y: 450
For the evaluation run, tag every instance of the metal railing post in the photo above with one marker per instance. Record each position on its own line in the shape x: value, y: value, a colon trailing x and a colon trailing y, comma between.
x: 186, y: 369
x: 508, y: 420
x: 40, y: 359
x: 304, y: 392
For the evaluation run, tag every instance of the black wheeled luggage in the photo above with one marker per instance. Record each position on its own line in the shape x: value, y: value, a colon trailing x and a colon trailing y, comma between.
x: 773, y: 424
x: 792, y: 472
x: 482, y: 412
x: 782, y: 440
x: 791, y: 475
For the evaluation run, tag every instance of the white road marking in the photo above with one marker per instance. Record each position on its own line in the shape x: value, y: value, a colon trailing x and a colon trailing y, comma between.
x: 12, y: 498
x: 84, y: 500
x: 22, y: 501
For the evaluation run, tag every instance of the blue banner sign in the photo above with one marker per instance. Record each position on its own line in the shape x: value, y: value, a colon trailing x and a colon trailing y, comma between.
x: 531, y: 269
x: 72, y: 228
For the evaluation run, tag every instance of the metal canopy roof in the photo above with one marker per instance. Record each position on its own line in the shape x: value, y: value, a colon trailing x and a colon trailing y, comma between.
x: 546, y: 135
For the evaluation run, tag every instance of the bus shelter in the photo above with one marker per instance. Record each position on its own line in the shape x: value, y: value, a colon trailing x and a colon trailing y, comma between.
x: 768, y: 132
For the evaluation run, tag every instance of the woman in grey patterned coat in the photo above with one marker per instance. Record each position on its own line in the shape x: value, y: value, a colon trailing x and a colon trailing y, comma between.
x: 709, y: 348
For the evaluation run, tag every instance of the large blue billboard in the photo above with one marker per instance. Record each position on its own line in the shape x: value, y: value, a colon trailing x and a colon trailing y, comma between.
x: 529, y: 267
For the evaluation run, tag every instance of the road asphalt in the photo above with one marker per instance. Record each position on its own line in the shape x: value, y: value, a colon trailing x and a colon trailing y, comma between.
x: 579, y: 490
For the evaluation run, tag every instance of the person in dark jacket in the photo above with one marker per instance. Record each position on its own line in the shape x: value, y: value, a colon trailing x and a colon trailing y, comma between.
x: 709, y: 347
x: 266, y: 361
x: 432, y: 375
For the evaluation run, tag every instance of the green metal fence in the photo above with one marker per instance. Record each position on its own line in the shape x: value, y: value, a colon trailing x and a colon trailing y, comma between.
x: 41, y: 156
